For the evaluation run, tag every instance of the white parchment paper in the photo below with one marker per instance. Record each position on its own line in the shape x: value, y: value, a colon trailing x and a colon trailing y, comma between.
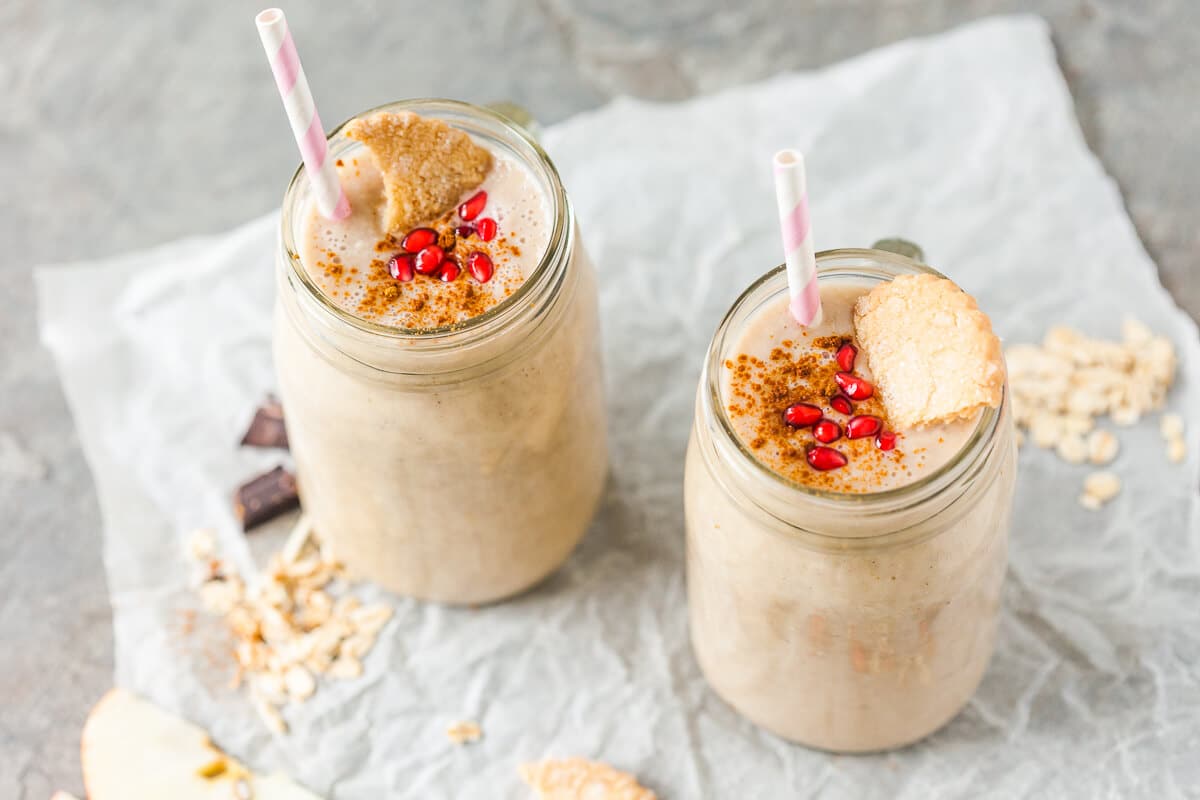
x: 965, y: 143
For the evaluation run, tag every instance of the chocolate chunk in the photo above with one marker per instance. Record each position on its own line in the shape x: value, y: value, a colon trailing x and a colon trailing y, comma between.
x: 265, y: 497
x: 267, y: 429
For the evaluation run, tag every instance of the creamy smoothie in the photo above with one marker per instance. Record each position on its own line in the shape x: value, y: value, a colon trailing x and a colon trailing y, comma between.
x: 843, y: 575
x: 441, y: 382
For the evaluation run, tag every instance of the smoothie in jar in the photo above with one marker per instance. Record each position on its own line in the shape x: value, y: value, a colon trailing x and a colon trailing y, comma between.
x: 844, y: 562
x: 438, y: 356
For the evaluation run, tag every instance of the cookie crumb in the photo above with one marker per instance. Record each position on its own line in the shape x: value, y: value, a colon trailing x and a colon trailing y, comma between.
x: 580, y: 779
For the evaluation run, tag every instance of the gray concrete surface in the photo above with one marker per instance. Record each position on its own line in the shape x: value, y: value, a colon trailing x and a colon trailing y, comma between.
x: 125, y: 124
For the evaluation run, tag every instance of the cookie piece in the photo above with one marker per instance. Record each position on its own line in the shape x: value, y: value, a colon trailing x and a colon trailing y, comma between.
x: 930, y: 349
x: 427, y: 165
x: 580, y: 779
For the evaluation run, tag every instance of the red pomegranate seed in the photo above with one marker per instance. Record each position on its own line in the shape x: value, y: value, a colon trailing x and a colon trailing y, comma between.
x: 827, y: 431
x: 429, y: 259
x: 856, y: 388
x: 480, y: 266
x: 401, y: 266
x: 450, y: 271
x: 841, y: 404
x: 845, y: 356
x: 464, y: 231
x: 825, y: 458
x: 487, y: 229
x: 471, y: 207
x: 418, y: 239
x: 862, y: 426
x: 801, y: 415
x: 885, y: 440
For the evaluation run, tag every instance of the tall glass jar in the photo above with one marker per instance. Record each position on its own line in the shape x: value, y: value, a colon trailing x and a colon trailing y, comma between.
x: 847, y: 622
x: 459, y: 464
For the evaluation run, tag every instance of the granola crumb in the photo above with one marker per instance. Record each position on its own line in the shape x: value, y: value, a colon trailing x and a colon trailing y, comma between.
x: 464, y: 732
x: 1176, y: 451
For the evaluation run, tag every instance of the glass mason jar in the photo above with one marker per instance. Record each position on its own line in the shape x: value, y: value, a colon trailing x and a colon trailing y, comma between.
x: 847, y: 622
x: 459, y: 464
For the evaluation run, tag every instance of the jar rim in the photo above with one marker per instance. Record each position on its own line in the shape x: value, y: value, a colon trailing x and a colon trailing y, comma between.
x: 558, y: 243
x: 867, y: 263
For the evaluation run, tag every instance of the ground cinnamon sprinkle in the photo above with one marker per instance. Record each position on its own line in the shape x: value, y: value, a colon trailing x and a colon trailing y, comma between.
x: 758, y: 393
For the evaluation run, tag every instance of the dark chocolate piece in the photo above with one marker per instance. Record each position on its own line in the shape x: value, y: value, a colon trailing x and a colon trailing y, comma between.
x: 265, y: 497
x: 267, y: 429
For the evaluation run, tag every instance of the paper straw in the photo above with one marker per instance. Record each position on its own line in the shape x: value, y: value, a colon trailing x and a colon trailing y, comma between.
x: 791, y: 194
x: 302, y: 113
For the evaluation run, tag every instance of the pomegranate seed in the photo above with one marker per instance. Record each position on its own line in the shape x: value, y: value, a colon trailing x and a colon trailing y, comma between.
x: 480, y: 266
x: 464, y: 231
x: 845, y: 356
x: 827, y: 431
x: 825, y: 458
x: 885, y: 440
x: 487, y: 229
x: 450, y: 271
x: 841, y: 404
x: 429, y: 259
x: 862, y: 426
x: 801, y: 415
x: 400, y: 267
x: 471, y: 207
x: 856, y: 388
x: 418, y: 239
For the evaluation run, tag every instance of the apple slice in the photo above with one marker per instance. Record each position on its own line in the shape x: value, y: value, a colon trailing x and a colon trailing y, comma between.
x: 132, y: 750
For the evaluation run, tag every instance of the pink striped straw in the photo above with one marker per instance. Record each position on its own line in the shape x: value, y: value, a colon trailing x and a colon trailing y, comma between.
x: 302, y: 113
x: 791, y: 193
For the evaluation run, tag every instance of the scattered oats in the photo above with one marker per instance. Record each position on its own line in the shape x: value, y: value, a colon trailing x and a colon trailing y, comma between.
x: 1045, y: 431
x: 1171, y: 426
x: 345, y: 668
x: 299, y: 682
x: 293, y: 625
x: 297, y: 540
x: 1059, y: 387
x: 1176, y: 451
x: 1089, y: 502
x: 269, y: 714
x: 345, y: 604
x: 371, y: 619
x: 578, y: 778
x: 220, y: 596
x: 1126, y: 416
x: 1104, y: 486
x: 464, y: 732
x: 356, y: 646
x: 61, y: 795
x: 1072, y: 449
x: 1102, y: 447
x: 202, y: 545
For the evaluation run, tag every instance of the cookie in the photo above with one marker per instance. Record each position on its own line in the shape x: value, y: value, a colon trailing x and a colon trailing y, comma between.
x: 427, y: 165
x: 930, y: 349
x: 580, y: 779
